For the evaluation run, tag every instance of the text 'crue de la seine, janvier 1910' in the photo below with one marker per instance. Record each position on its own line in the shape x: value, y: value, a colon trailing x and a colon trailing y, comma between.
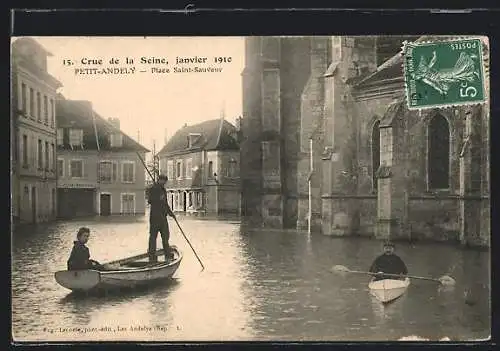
x: 147, y: 64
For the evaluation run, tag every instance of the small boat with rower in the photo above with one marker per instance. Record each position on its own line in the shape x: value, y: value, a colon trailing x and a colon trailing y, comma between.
x: 387, y: 290
x: 129, y: 272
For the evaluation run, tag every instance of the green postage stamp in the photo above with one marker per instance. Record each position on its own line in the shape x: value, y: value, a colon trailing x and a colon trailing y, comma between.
x: 444, y: 73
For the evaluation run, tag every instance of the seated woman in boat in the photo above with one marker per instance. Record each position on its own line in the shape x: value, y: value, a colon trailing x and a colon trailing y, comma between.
x: 389, y: 263
x: 80, y: 254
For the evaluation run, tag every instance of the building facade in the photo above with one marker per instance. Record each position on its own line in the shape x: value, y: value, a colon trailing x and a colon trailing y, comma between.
x: 378, y: 169
x: 202, y: 165
x: 99, y: 169
x: 33, y: 134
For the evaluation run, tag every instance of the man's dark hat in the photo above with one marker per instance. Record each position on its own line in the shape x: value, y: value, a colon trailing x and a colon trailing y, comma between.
x: 163, y: 177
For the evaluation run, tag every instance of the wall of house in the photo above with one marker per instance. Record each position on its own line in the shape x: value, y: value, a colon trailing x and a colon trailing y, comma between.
x: 119, y: 187
x: 90, y: 169
x: 228, y: 187
x: 76, y: 202
x: 91, y: 178
x: 182, y: 181
x: 116, y: 200
x: 14, y: 152
x: 221, y: 193
x: 224, y: 158
x: 34, y: 119
x: 211, y: 199
x: 37, y: 200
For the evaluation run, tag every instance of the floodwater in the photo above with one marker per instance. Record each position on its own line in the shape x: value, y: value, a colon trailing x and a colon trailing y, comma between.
x: 257, y: 285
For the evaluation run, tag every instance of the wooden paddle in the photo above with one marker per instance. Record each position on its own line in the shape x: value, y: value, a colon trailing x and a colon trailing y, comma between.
x: 444, y: 280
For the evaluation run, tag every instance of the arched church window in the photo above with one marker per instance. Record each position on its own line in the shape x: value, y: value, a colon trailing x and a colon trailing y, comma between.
x: 438, y: 159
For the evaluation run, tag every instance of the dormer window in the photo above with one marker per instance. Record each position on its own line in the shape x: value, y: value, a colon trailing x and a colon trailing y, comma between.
x: 75, y: 137
x: 193, y: 139
x: 116, y: 139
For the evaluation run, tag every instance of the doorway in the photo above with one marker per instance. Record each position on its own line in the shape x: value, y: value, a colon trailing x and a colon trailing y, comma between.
x: 184, y: 201
x: 105, y: 209
x: 33, y: 204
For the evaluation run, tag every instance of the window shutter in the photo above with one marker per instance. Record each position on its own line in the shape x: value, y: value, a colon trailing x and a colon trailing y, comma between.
x: 114, y: 172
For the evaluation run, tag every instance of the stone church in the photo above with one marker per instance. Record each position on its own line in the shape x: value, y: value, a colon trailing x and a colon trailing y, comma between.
x: 332, y: 111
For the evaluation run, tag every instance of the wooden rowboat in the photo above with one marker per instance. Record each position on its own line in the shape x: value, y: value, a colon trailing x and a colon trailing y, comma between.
x: 129, y: 272
x: 387, y: 290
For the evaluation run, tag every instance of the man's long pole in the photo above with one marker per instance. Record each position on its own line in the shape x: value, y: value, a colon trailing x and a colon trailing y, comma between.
x: 182, y: 232
x: 310, y: 187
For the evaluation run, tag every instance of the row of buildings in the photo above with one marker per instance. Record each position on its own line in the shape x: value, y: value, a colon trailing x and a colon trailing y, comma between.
x: 68, y: 161
x: 332, y: 111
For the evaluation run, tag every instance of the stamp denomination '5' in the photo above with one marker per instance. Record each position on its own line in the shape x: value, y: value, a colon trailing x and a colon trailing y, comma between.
x: 444, y: 73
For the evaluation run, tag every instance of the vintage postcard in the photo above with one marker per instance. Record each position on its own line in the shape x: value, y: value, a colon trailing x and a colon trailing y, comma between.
x: 260, y: 188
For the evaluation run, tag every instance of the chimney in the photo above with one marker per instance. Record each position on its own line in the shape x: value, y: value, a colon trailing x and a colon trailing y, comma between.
x: 114, y: 122
x: 238, y: 123
x: 165, y: 136
x: 223, y: 110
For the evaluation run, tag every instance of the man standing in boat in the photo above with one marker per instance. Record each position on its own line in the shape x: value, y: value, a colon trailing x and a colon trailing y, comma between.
x: 157, y: 198
x: 389, y: 263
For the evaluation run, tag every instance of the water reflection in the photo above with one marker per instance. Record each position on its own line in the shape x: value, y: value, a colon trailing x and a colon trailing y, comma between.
x: 257, y: 285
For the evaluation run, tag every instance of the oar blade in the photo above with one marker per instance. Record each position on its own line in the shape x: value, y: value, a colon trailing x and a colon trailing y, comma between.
x: 446, y: 280
x: 340, y: 268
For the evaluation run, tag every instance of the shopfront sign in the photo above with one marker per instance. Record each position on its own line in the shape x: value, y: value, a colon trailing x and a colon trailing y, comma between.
x: 77, y: 186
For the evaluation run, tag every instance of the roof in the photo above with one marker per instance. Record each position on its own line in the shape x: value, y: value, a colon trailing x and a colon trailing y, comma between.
x: 389, y: 70
x: 28, y: 41
x: 79, y: 114
x: 392, y: 69
x: 21, y: 58
x: 214, y: 134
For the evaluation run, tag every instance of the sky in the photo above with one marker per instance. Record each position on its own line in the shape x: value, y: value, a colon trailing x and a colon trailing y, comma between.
x: 152, y: 104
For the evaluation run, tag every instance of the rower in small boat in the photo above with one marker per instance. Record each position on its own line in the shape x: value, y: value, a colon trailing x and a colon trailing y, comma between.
x: 389, y: 263
x: 157, y: 199
x: 79, y: 258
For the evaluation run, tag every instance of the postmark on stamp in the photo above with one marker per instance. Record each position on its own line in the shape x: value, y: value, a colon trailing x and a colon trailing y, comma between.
x: 444, y: 73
